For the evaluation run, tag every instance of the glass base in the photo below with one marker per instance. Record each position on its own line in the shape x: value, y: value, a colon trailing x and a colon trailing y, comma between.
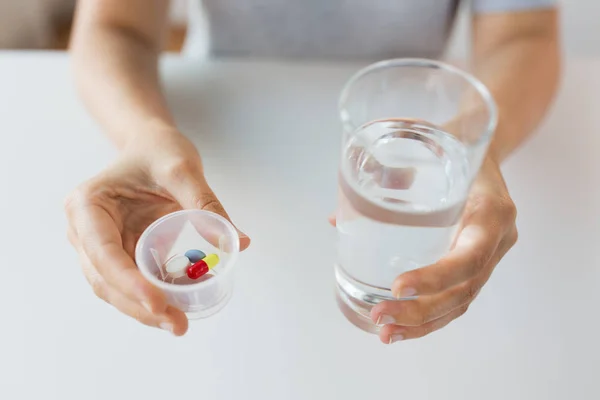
x: 356, y: 300
x: 354, y: 315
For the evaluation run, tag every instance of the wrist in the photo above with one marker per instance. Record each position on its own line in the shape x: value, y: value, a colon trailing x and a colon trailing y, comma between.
x: 510, y: 133
x: 490, y: 169
x: 151, y: 137
x: 495, y: 154
x: 163, y: 151
x: 497, y: 149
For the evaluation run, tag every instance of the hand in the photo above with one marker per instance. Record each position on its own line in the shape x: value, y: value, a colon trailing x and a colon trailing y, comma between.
x: 446, y: 289
x: 107, y: 215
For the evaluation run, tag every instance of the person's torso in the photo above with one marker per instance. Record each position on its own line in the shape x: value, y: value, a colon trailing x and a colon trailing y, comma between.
x: 325, y: 29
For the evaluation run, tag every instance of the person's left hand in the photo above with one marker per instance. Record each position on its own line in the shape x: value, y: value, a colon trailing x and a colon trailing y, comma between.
x: 445, y: 289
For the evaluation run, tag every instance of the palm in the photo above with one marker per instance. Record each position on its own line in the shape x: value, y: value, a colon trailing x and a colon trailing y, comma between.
x: 132, y: 207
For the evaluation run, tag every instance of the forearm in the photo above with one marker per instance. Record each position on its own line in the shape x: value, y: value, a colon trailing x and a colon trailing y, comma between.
x: 522, y: 74
x: 116, y: 72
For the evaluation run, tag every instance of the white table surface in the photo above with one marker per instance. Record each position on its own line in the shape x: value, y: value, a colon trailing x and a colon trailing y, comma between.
x: 532, y: 334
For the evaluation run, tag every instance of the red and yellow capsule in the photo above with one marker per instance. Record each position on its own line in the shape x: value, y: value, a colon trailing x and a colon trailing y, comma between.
x: 200, y: 268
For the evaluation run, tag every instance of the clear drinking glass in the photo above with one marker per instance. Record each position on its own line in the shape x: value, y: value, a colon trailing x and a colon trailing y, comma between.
x: 415, y: 133
x: 172, y: 236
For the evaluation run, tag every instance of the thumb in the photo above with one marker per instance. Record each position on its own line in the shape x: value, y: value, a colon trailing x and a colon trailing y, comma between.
x: 193, y: 192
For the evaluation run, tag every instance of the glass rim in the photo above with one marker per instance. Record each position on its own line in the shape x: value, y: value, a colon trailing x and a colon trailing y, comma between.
x: 479, y: 86
x: 194, y: 286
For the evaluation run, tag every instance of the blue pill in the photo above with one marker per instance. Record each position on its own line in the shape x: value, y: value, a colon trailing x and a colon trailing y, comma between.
x: 195, y: 255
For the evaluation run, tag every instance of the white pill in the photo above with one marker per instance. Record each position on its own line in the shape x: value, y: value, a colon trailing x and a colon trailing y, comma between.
x: 177, y: 265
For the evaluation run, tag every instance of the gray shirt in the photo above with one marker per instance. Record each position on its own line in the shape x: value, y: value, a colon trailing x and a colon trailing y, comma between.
x: 326, y: 29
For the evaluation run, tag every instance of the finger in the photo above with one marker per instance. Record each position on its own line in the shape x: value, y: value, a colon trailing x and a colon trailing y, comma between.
x: 425, y: 309
x: 172, y: 319
x: 476, y: 244
x: 95, y: 280
x: 72, y: 236
x: 101, y: 287
x: 392, y: 333
x: 489, y: 217
x: 428, y: 308
x: 100, y: 240
x: 331, y: 220
x: 191, y: 190
x: 178, y: 319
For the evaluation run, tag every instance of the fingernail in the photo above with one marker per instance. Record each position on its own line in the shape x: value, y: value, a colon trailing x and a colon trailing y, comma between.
x: 406, y: 292
x: 396, y: 337
x: 146, y: 305
x: 385, y: 319
x: 166, y: 326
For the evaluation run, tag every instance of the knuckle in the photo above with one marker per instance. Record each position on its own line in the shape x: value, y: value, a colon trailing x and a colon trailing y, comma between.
x: 99, y: 288
x: 507, y: 208
x: 425, y: 317
x: 431, y: 281
x: 68, y: 202
x: 138, y: 315
x: 513, y: 237
x: 499, y: 204
x: 481, y: 202
x: 72, y: 237
x: 470, y: 293
x: 207, y: 201
x: 73, y: 198
x: 462, y: 310
x: 436, y: 284
x: 426, y: 330
x: 479, y: 259
x: 508, y: 241
x: 418, y: 316
x: 80, y: 195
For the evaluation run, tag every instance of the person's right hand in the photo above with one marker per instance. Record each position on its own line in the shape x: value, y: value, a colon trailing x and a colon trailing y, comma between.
x: 157, y: 175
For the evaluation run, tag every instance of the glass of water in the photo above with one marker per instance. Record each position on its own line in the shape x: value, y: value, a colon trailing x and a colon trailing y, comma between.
x: 415, y: 133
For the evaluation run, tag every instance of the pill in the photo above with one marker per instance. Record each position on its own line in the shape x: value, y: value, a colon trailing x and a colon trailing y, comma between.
x: 195, y: 255
x: 200, y: 268
x: 177, y: 266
